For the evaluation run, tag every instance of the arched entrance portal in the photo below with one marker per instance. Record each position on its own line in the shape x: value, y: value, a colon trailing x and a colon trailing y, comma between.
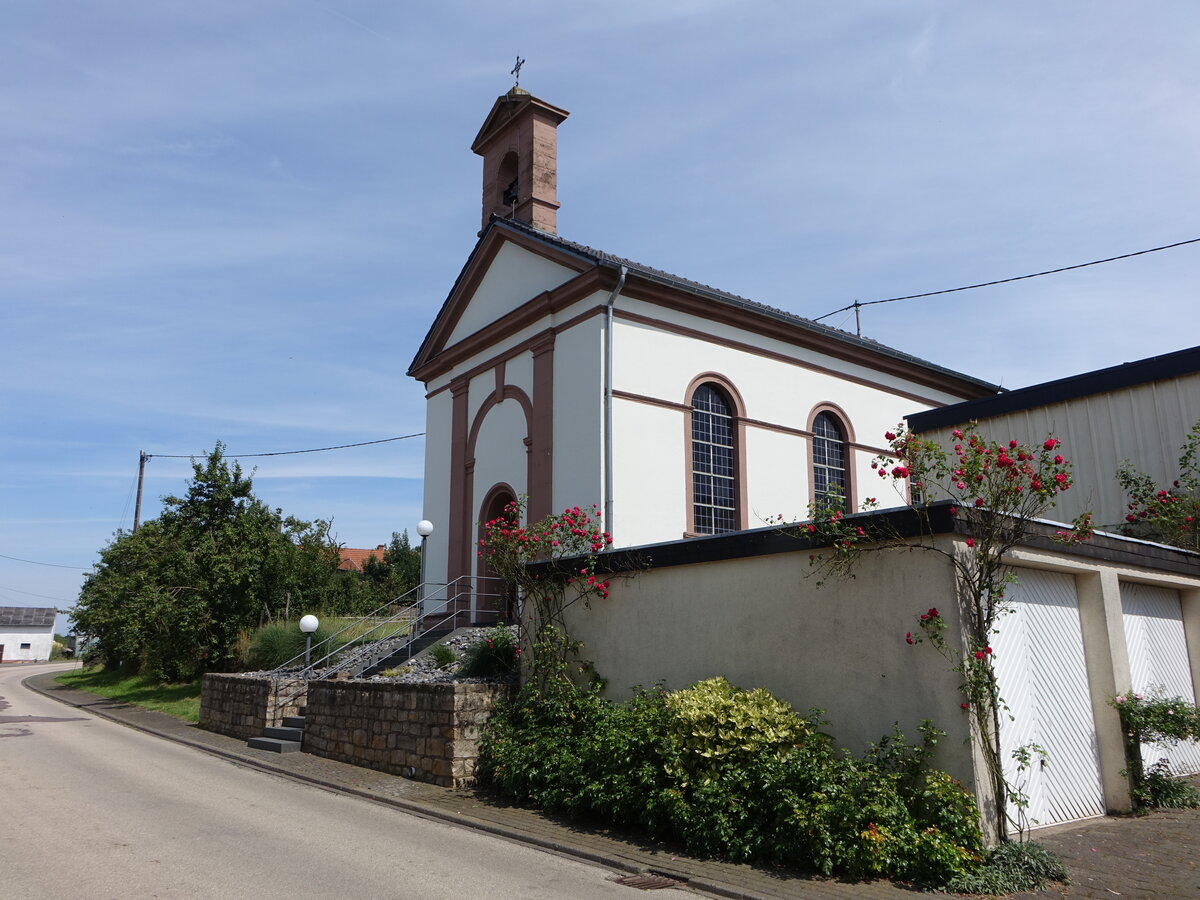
x: 494, y: 601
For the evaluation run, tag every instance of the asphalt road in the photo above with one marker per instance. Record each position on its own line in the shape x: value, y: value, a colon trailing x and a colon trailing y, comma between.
x: 92, y: 809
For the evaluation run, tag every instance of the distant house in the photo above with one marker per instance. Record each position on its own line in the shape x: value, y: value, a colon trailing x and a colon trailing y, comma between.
x: 1139, y: 411
x: 354, y: 560
x: 26, y: 633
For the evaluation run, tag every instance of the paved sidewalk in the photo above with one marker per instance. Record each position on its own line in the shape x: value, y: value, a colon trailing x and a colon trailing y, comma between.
x: 1151, y: 857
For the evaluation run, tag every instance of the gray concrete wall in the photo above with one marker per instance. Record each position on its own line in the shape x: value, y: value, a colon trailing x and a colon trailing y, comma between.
x: 763, y: 622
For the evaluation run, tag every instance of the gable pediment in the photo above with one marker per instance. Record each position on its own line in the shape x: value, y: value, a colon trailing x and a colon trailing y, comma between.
x: 505, y: 271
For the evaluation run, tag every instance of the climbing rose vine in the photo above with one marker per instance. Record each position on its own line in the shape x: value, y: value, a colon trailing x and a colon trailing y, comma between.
x: 997, y: 490
x: 1171, y: 514
x: 567, y: 543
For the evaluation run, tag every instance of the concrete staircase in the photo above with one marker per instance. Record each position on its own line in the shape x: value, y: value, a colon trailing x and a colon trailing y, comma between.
x: 406, y: 651
x: 287, y: 738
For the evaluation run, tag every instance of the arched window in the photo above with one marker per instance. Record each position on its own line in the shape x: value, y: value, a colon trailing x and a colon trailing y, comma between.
x: 714, y: 466
x: 829, y: 471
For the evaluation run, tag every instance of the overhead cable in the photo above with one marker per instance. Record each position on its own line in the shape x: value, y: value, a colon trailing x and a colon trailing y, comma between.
x: 34, y: 562
x: 402, y: 437
x: 858, y: 303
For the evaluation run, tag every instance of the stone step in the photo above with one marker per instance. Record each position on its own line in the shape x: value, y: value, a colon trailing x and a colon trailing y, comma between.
x: 293, y: 721
x: 275, y: 745
x: 285, y: 734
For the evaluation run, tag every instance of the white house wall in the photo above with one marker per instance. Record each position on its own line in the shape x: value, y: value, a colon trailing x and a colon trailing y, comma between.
x: 501, y: 456
x: 436, y: 503
x: 578, y: 416
x: 654, y: 366
x: 514, y: 276
x: 765, y: 348
x: 40, y: 643
x: 649, y: 500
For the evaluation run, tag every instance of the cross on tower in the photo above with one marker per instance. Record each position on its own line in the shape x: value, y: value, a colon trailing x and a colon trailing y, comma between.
x: 516, y: 71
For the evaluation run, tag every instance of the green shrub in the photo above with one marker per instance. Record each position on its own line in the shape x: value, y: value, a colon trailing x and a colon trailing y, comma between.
x: 1010, y: 868
x: 1162, y: 789
x: 528, y: 749
x: 442, y: 654
x: 495, y: 653
x: 715, y: 725
x: 691, y: 766
x: 277, y: 643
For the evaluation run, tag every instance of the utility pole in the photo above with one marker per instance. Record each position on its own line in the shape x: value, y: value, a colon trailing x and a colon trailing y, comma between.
x: 137, y: 507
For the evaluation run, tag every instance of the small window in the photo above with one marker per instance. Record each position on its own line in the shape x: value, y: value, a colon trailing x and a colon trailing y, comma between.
x: 714, y: 472
x: 27, y: 646
x: 829, y: 458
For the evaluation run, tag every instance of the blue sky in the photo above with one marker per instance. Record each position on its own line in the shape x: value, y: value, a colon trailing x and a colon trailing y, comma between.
x: 235, y: 221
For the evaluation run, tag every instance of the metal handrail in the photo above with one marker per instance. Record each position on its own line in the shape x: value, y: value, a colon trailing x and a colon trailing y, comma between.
x: 291, y: 663
x: 366, y: 647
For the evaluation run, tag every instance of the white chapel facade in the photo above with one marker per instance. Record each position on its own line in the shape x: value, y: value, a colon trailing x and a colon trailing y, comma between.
x: 574, y: 377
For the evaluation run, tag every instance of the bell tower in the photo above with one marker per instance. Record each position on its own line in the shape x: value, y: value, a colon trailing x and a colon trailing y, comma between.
x: 519, y: 146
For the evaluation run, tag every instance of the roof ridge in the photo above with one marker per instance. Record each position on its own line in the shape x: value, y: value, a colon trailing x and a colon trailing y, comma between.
x: 601, y: 257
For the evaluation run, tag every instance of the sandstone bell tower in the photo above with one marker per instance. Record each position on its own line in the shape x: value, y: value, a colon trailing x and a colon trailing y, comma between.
x: 519, y: 146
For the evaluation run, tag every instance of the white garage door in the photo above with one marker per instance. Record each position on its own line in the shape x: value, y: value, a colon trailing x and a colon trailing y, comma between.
x: 1043, y: 679
x: 1158, y: 660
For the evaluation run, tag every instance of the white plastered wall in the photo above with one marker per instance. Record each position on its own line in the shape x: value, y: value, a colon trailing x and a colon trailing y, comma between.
x: 501, y: 456
x: 514, y: 277
x: 650, y: 453
x: 578, y: 416
x: 436, y: 502
x: 40, y: 643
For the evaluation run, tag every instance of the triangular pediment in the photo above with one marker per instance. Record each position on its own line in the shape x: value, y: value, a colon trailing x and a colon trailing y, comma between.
x: 506, y: 108
x: 505, y: 271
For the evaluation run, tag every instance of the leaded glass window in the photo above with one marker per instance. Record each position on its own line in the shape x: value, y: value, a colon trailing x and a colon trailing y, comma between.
x: 829, y: 457
x: 714, y: 485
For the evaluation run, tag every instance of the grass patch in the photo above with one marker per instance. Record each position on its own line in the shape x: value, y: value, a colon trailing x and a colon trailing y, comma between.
x: 179, y: 700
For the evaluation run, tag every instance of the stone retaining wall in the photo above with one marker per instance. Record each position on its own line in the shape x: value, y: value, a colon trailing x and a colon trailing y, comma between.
x: 429, y: 732
x: 243, y: 707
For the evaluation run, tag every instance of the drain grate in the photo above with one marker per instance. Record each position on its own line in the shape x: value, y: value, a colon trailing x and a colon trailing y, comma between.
x: 647, y: 882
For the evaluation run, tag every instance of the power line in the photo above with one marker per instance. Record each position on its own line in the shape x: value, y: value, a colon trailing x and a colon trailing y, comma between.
x: 402, y: 437
x: 31, y: 594
x: 857, y: 303
x: 137, y: 513
x: 52, y: 565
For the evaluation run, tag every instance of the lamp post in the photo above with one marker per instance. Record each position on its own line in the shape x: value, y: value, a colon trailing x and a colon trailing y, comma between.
x: 424, y: 529
x: 308, y: 624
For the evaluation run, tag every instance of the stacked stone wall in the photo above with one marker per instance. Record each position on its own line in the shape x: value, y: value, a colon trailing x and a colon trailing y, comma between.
x: 429, y: 732
x: 243, y: 707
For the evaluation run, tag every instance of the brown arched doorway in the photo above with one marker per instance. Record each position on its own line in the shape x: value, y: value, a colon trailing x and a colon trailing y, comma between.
x: 495, y: 601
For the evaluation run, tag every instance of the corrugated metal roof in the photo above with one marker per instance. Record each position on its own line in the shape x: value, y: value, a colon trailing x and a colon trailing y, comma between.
x: 28, y: 616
